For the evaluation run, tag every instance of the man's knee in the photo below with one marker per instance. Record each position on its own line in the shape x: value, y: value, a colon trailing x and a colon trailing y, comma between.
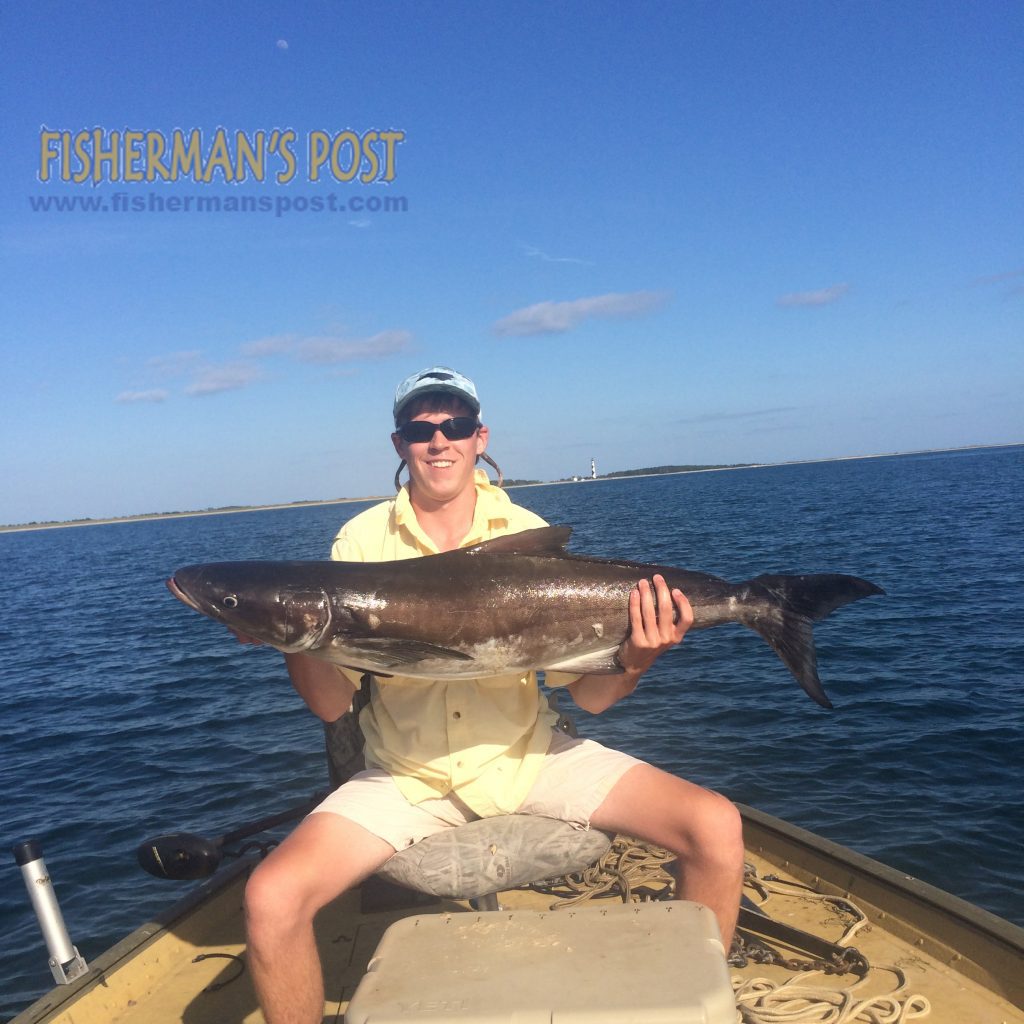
x: 264, y: 900
x: 720, y: 828
x: 710, y: 829
x: 277, y: 899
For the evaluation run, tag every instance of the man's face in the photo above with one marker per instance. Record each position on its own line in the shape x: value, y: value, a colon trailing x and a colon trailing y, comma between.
x: 441, y: 469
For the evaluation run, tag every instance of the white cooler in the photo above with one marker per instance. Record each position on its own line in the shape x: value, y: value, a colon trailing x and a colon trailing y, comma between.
x: 646, y: 963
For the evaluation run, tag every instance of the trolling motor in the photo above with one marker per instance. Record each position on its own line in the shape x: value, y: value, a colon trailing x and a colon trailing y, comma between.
x: 185, y: 856
x: 180, y: 856
x: 66, y: 963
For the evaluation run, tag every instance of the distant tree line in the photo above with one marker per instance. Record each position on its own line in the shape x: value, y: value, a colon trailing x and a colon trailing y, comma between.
x: 655, y: 470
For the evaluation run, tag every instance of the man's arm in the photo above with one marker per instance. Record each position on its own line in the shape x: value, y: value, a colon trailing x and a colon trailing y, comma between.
x: 327, y: 691
x: 652, y: 632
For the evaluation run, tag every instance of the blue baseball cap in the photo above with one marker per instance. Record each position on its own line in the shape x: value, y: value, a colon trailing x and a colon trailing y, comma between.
x: 436, y: 380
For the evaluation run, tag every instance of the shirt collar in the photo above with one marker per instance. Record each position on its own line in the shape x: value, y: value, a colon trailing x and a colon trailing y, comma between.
x: 490, y: 511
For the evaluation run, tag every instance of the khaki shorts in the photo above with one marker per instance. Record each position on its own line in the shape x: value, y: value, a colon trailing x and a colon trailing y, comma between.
x: 575, y: 777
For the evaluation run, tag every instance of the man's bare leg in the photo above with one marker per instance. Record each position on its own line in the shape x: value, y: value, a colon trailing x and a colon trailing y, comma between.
x: 703, y: 829
x: 322, y: 858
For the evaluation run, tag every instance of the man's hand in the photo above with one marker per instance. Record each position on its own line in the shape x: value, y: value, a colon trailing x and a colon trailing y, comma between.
x: 658, y: 620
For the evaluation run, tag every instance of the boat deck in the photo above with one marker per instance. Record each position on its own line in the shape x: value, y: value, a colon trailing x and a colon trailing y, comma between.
x: 191, y: 969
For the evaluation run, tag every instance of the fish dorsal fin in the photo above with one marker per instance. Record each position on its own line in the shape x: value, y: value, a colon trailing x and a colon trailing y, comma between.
x: 545, y: 540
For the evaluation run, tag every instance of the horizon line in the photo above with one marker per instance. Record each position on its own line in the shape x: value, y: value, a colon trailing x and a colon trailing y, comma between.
x: 58, y: 524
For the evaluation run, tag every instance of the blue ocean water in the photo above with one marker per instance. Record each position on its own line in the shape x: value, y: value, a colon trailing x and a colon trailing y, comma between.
x: 124, y: 714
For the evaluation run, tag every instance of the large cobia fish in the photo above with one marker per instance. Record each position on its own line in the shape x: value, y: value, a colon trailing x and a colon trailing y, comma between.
x: 511, y: 604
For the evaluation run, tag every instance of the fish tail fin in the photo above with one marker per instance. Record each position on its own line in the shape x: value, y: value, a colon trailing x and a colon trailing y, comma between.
x: 794, y: 604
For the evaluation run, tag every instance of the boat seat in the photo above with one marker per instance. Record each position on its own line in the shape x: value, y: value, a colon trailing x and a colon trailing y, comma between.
x: 477, y: 860
x: 482, y: 857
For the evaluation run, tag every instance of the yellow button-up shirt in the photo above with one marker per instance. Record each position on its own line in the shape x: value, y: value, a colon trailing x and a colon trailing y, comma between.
x: 482, y: 739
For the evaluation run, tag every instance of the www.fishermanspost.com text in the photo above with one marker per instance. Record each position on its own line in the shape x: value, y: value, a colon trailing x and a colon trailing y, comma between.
x: 277, y: 205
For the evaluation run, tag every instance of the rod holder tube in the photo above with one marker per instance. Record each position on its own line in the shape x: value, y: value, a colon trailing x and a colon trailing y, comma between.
x: 66, y: 963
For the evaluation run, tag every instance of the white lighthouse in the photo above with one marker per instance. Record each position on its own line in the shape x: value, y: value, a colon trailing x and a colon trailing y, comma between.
x: 593, y: 470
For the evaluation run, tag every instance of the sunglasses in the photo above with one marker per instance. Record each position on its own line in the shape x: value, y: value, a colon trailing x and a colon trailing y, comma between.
x: 458, y: 428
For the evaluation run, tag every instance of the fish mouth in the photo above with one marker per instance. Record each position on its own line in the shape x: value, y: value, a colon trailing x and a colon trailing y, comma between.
x: 172, y: 586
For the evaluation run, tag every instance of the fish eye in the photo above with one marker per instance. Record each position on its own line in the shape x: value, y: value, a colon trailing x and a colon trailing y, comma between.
x: 230, y: 601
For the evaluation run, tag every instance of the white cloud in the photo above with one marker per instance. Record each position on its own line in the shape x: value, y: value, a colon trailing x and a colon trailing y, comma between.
x: 206, y: 378
x: 340, y: 350
x: 822, y: 297
x: 538, y: 254
x: 155, y: 395
x: 715, y: 417
x: 211, y: 380
x: 175, y: 364
x: 282, y: 44
x: 559, y: 317
x: 1008, y: 275
x: 1013, y: 278
x: 331, y: 348
x: 275, y: 345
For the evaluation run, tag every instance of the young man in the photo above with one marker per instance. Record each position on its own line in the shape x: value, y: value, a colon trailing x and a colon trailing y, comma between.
x: 440, y: 753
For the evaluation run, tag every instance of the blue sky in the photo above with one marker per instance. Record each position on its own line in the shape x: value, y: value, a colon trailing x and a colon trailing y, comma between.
x: 653, y: 233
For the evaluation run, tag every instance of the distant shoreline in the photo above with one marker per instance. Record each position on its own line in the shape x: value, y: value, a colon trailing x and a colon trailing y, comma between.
x: 231, y: 510
x: 145, y: 517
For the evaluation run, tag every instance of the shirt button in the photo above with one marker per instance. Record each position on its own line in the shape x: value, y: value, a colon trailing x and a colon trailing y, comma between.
x: 456, y: 714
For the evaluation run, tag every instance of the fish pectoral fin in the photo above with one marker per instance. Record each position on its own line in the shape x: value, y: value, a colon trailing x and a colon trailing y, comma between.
x: 604, y: 662
x: 545, y: 540
x: 390, y: 652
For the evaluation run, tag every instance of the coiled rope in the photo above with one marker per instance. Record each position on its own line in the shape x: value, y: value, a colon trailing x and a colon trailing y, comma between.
x: 631, y: 870
x: 763, y: 1001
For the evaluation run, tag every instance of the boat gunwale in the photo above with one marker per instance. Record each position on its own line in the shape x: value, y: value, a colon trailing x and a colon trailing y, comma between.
x: 135, y: 943
x: 972, y: 941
